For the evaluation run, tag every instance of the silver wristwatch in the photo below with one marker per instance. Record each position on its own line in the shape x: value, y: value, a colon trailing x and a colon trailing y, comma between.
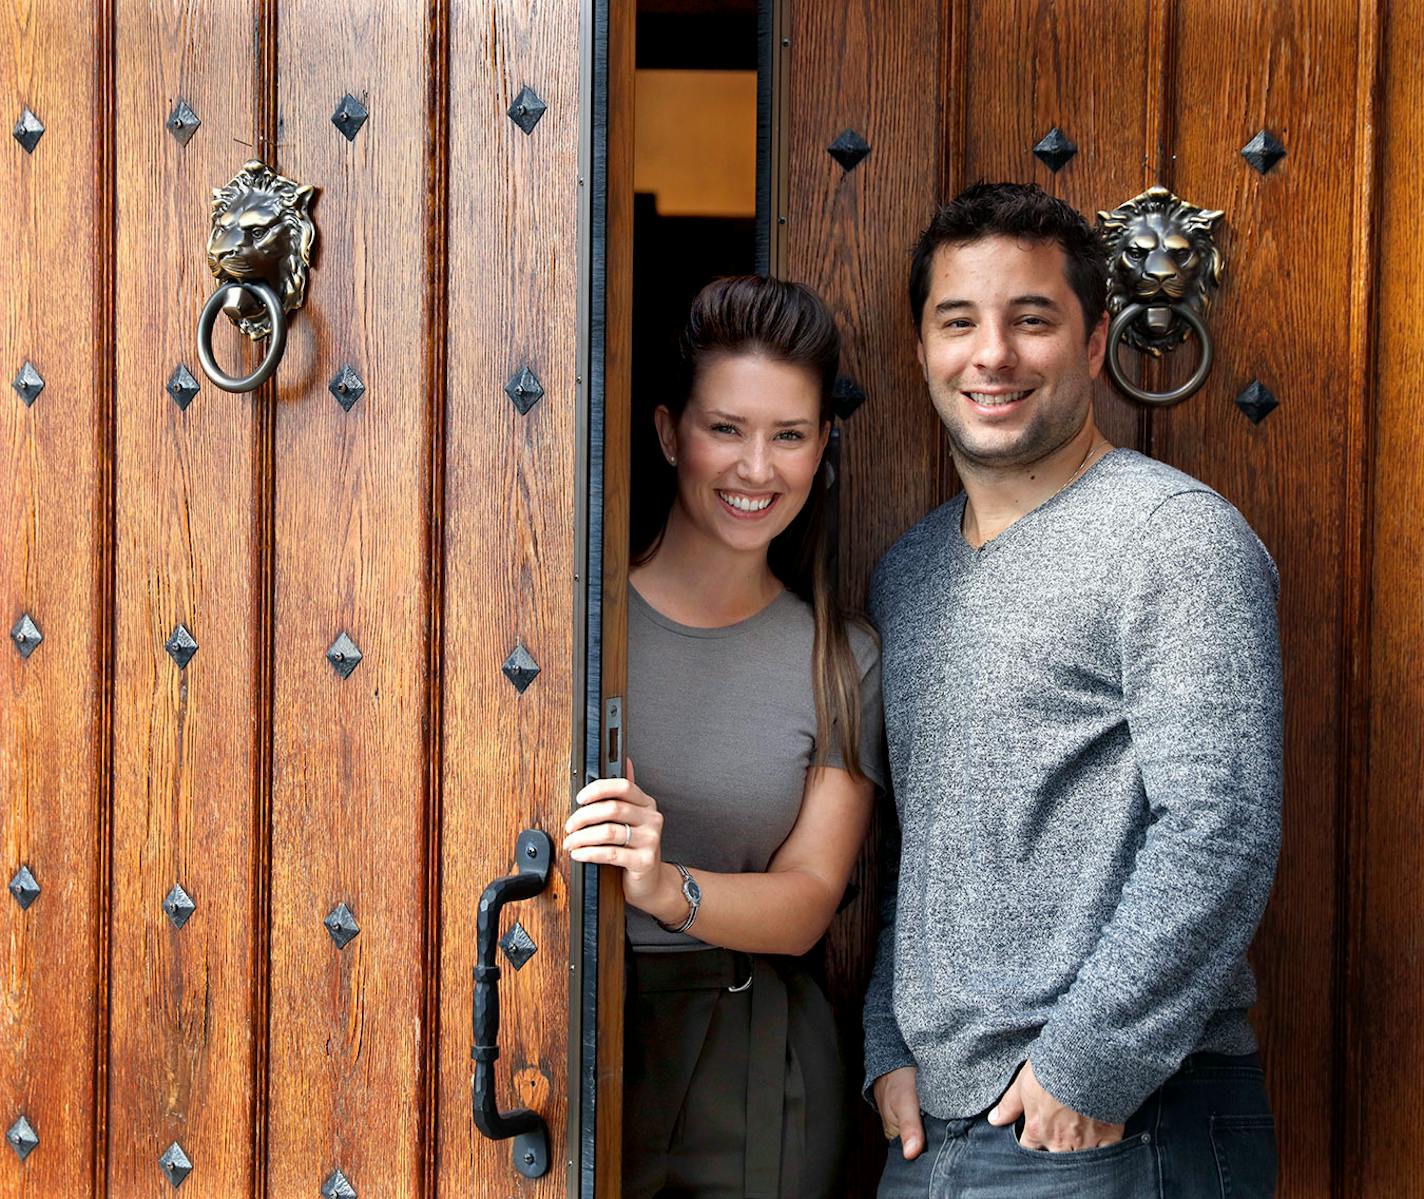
x: 690, y: 892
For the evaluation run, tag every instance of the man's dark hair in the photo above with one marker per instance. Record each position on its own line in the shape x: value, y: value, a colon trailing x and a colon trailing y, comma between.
x: 1015, y: 210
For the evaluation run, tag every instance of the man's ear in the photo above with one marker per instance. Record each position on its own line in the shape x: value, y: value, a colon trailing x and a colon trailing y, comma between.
x: 1097, y: 345
x: 920, y: 354
x: 667, y: 431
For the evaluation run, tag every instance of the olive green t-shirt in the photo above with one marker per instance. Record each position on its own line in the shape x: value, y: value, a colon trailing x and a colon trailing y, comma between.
x: 721, y: 727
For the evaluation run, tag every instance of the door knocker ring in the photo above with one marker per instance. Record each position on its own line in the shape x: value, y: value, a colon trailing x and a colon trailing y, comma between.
x: 1119, y: 326
x: 224, y: 297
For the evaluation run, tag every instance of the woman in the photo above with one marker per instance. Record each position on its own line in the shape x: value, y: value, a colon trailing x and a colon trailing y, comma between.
x: 754, y: 720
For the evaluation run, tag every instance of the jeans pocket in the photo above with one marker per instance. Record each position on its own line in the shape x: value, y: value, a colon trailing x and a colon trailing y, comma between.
x: 1078, y: 1157
x: 1245, y: 1149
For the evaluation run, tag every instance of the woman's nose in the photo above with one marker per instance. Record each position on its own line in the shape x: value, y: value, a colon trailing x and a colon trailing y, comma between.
x: 755, y: 463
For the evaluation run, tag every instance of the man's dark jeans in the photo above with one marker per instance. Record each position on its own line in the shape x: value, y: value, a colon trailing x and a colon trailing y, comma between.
x: 1207, y: 1134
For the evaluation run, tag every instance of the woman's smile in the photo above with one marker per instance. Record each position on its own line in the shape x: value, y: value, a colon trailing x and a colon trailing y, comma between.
x: 747, y: 506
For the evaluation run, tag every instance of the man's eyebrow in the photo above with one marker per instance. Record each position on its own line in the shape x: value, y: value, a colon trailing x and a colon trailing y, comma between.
x: 1035, y: 301
x: 952, y: 305
x: 1030, y: 301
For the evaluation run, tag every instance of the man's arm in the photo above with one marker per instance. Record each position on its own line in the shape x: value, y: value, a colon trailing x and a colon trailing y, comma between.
x: 1202, y: 692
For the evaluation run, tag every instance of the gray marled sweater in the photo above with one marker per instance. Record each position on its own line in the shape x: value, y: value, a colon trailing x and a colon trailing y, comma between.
x: 1084, y: 721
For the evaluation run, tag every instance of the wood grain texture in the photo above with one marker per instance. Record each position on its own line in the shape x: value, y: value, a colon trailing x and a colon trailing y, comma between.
x: 510, y: 521
x: 849, y: 235
x: 182, y: 1019
x: 51, y: 555
x: 1384, y: 1084
x: 352, y: 495
x: 617, y: 453
x: 1085, y: 69
x: 1292, y: 69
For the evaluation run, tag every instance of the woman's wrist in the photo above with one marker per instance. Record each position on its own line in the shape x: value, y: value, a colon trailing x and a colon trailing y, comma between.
x: 665, y: 901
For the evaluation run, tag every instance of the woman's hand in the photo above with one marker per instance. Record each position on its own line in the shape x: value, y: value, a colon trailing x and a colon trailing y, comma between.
x: 617, y: 823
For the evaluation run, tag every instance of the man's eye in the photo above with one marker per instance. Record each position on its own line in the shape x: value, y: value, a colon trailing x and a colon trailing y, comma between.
x: 957, y: 324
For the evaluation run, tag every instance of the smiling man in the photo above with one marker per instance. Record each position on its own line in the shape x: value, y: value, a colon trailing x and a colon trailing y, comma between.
x: 1083, y: 706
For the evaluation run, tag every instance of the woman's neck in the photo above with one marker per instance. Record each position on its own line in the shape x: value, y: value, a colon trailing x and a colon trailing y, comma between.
x: 704, y: 583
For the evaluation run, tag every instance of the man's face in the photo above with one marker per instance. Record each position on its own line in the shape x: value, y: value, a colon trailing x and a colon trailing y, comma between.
x: 1004, y: 352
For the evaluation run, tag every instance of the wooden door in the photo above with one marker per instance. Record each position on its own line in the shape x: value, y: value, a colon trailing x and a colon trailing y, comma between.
x: 945, y: 92
x: 245, y: 872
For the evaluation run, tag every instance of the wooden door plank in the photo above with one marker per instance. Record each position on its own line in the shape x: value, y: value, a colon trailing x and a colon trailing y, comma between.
x: 1078, y: 66
x: 849, y: 234
x: 52, y: 501
x: 620, y: 72
x: 184, y: 763
x: 352, y: 490
x: 1382, y: 1081
x: 510, y: 558
x: 1281, y: 319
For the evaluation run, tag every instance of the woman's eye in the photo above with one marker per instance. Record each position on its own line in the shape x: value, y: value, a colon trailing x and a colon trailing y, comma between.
x: 724, y: 428
x: 791, y: 435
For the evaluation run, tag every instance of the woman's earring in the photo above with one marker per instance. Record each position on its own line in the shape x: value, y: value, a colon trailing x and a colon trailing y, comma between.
x: 672, y: 460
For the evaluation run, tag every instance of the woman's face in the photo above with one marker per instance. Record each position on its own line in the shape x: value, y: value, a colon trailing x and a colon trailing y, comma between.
x: 747, y: 447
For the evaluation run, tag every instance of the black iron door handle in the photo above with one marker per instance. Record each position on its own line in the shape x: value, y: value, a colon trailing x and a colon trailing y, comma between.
x: 533, y: 856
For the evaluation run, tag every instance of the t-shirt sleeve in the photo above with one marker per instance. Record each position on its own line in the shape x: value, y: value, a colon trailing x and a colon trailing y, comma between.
x: 872, y: 721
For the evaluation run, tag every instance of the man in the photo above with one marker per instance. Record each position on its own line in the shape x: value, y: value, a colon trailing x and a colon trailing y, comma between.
x: 1082, y: 699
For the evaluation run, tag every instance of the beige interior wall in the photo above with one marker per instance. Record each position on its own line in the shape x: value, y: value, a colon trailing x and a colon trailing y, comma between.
x: 696, y: 142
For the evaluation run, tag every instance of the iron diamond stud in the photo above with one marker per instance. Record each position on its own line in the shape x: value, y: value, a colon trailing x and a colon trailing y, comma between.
x: 24, y: 887
x: 1256, y: 401
x: 179, y: 905
x: 182, y: 386
x: 342, y: 926
x: 849, y: 149
x: 1263, y: 151
x: 349, y: 116
x: 524, y: 389
x: 347, y: 386
x: 28, y: 384
x: 28, y: 130
x: 527, y: 109
x: 520, y: 668
x: 182, y: 123
x: 22, y: 1137
x: 343, y: 656
x: 337, y: 1186
x: 175, y: 1165
x: 1054, y: 149
x: 846, y: 396
x: 26, y: 635
x: 518, y: 946
x: 180, y: 646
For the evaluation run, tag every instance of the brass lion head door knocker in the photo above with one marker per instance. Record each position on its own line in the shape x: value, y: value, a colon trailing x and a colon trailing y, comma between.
x: 259, y: 249
x: 1163, y: 270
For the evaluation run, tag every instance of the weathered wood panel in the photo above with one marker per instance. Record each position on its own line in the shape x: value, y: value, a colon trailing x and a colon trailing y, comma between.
x: 1383, y: 1082
x: 1291, y: 69
x: 352, y: 492
x: 52, y: 530
x: 509, y: 540
x: 849, y: 235
x: 184, y: 766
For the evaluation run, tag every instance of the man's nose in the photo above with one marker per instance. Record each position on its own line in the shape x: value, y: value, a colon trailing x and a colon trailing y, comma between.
x: 993, y: 348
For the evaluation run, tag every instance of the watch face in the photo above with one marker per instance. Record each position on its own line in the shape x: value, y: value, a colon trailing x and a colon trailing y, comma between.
x: 691, y: 889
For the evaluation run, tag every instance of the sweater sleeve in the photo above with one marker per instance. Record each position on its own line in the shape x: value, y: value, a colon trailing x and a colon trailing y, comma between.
x: 885, y: 1049
x: 1201, y: 683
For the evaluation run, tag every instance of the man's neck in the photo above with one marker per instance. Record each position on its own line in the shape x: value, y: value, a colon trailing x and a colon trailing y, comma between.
x: 698, y: 581
x: 997, y: 496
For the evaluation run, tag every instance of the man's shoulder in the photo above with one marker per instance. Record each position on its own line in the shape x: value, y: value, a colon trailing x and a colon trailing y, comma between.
x: 1135, y: 481
x: 915, y: 548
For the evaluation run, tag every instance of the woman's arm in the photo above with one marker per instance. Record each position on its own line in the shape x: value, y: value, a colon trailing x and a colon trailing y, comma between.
x: 784, y: 910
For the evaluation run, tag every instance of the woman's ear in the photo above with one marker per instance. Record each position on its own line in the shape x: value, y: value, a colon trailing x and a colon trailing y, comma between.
x: 825, y: 437
x: 667, y: 432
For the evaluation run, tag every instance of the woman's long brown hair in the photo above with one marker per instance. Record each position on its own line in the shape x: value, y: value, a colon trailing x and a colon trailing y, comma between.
x: 785, y: 322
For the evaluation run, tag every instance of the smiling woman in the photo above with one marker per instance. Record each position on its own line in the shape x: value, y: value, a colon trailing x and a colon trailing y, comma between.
x: 754, y: 723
